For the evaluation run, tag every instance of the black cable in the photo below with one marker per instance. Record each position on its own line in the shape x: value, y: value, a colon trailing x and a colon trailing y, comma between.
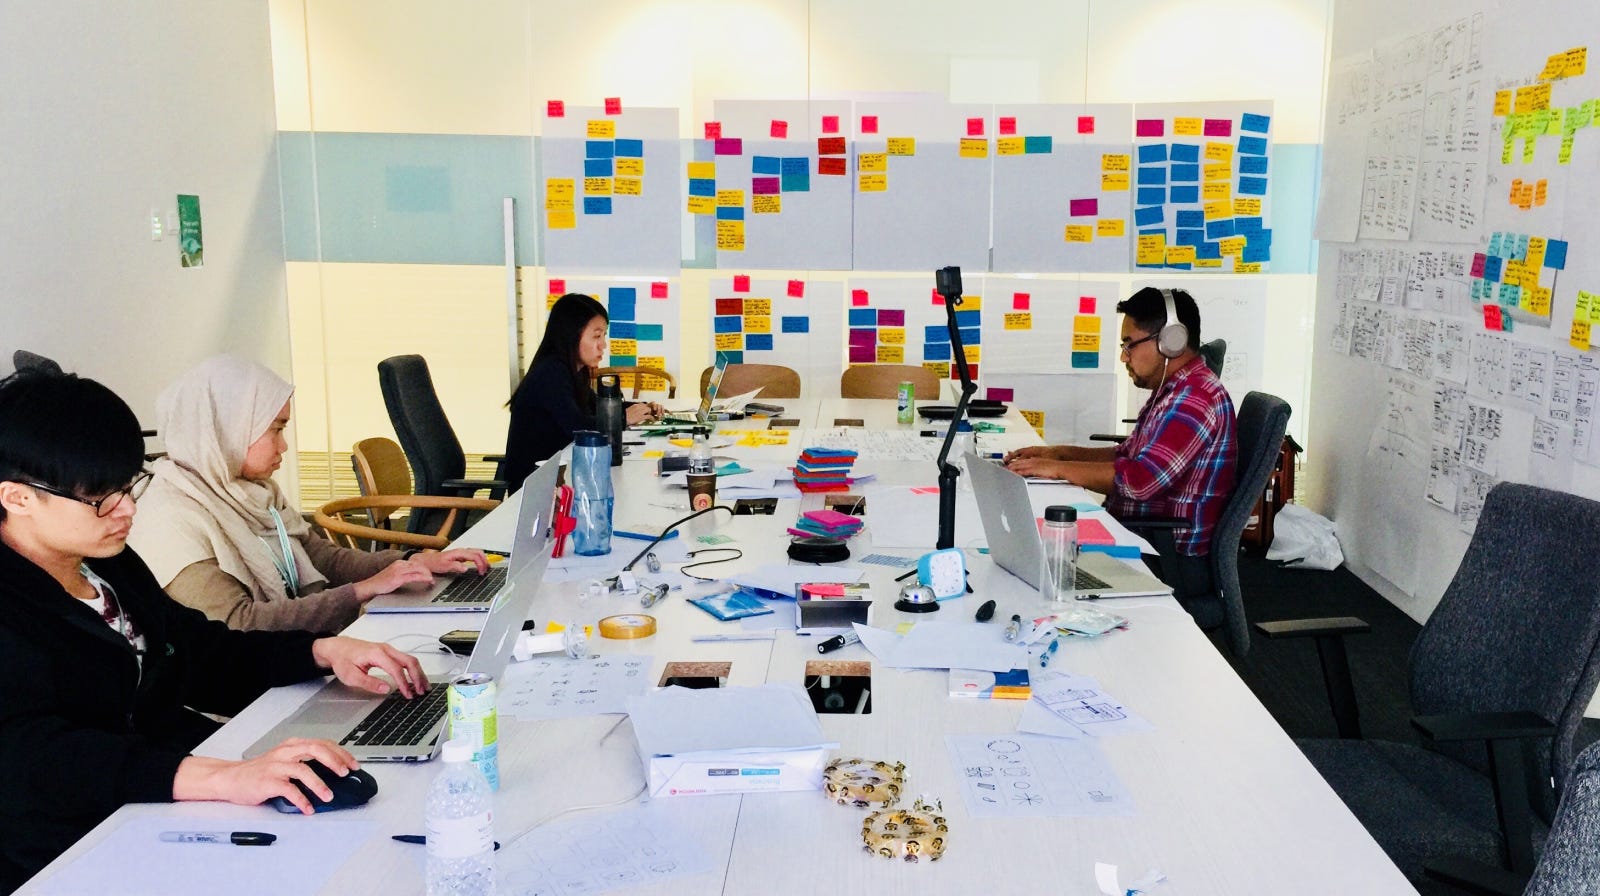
x: 737, y: 553
x: 668, y: 531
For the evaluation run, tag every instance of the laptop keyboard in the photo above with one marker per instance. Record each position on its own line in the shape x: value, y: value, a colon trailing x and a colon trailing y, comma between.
x: 1088, y: 580
x: 401, y: 721
x: 469, y: 588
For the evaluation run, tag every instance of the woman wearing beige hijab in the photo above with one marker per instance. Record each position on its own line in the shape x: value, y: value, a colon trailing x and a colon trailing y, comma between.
x: 221, y: 536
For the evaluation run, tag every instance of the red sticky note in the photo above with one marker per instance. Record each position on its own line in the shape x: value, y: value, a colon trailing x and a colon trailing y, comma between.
x: 830, y: 146
x: 831, y: 165
x: 797, y: 289
x: 1478, y: 261
x: 726, y: 307
x: 937, y: 299
x: 558, y: 287
x: 830, y: 124
x: 1086, y: 304
x: 998, y: 394
x: 858, y: 297
x: 869, y: 124
x: 974, y: 127
x: 741, y: 282
x: 613, y: 105
x: 713, y: 130
x: 1150, y: 127
x: 1021, y: 301
x: 1008, y: 125
x: 555, y: 108
x: 1086, y: 124
x: 955, y: 373
x: 780, y: 129
x: 1491, y: 318
x: 1219, y: 127
x: 1079, y: 207
x: 658, y: 289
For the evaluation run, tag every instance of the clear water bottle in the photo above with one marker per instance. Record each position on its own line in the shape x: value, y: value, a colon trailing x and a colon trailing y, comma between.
x: 700, y: 460
x: 610, y: 414
x: 1060, y: 534
x: 460, y: 827
x: 592, y: 496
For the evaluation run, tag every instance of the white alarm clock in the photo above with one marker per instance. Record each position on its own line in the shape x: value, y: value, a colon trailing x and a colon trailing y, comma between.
x: 944, y: 571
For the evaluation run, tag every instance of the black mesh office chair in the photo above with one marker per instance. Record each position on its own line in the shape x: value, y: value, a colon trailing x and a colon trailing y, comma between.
x: 438, y: 464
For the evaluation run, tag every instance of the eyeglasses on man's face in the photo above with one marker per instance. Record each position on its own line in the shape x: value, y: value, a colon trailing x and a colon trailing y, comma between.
x: 105, y: 504
x: 1128, y: 345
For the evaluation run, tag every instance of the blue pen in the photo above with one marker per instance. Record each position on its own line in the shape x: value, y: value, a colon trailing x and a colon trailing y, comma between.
x: 1044, y: 658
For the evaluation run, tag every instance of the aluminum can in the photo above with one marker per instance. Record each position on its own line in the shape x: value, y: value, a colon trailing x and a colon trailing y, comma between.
x: 906, y: 403
x: 473, y: 716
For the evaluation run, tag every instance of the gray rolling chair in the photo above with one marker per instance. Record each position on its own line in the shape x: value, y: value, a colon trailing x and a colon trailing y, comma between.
x: 1509, y: 658
x: 22, y: 359
x: 1571, y: 860
x: 1212, y: 353
x: 438, y: 464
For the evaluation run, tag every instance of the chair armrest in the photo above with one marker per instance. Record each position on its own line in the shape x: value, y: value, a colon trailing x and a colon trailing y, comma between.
x: 1476, y: 877
x: 1313, y: 628
x: 474, y: 484
x: 1107, y: 437
x: 493, y: 458
x: 1152, y: 522
x: 1455, y: 726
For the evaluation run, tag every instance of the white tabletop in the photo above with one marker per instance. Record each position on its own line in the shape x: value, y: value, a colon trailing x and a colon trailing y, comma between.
x: 1225, y: 802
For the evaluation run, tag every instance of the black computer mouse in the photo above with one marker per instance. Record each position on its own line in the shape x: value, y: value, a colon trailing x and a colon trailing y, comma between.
x: 349, y: 791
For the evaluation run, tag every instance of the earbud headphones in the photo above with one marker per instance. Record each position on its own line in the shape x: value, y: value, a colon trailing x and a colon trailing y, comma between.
x: 1174, y: 336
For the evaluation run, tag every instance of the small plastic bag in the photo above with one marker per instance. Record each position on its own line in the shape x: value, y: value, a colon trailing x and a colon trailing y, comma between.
x: 1304, y: 539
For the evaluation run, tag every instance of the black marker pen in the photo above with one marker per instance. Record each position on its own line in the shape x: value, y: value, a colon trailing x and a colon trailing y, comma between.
x: 838, y: 641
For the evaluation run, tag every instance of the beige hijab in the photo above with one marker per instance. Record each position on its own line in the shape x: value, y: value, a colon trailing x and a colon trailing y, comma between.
x: 198, y: 507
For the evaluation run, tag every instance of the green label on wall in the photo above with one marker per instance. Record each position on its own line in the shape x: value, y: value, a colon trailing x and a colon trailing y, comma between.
x: 191, y: 247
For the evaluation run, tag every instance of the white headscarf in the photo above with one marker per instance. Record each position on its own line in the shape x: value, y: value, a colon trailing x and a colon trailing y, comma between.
x: 199, y: 507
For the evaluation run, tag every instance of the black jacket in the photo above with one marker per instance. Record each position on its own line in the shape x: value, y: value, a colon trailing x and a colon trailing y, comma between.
x: 544, y: 415
x: 82, y: 729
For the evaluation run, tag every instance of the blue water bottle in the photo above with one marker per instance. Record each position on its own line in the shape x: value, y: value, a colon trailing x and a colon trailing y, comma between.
x: 592, y: 497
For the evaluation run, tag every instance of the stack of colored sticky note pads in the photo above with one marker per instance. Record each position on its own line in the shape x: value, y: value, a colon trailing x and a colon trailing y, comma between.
x: 830, y: 523
x: 824, y: 469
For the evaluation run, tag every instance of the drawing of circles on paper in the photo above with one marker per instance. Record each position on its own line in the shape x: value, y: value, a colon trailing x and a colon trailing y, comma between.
x: 1019, y: 771
x: 1004, y: 746
x: 1021, y: 785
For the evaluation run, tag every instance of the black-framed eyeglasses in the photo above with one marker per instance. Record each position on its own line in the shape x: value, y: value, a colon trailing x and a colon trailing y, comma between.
x: 1129, y: 345
x: 106, y: 503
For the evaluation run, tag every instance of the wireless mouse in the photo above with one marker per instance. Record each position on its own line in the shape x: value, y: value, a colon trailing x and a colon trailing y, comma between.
x: 349, y: 791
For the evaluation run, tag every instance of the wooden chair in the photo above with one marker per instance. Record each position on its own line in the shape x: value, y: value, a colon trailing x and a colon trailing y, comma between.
x: 883, y: 381
x: 774, y: 380
x: 381, y: 469
x: 637, y: 375
x: 332, y: 517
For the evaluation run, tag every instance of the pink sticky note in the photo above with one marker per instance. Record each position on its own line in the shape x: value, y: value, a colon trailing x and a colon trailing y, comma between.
x: 974, y: 127
x: 780, y: 129
x: 863, y: 336
x: 1086, y: 304
x: 937, y: 299
x: 728, y: 146
x: 555, y: 108
x: 1086, y: 124
x: 998, y: 394
x: 1008, y: 125
x: 613, y: 105
x: 1219, y: 127
x: 658, y: 289
x: 863, y: 354
x: 830, y: 124
x: 1021, y: 301
x: 858, y: 298
x: 558, y: 287
x: 797, y: 289
x: 869, y: 124
x: 1150, y: 127
x: 741, y: 282
x: 766, y: 186
x: 1491, y: 318
x: 1478, y: 261
x: 891, y: 317
x: 713, y: 130
x: 1079, y: 207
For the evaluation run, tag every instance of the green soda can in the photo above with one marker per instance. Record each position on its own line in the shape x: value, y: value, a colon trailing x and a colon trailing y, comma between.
x: 906, y: 403
x: 473, y: 716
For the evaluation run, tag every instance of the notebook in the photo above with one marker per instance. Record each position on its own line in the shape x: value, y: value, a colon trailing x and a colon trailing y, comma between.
x: 1014, y: 543
x: 470, y: 592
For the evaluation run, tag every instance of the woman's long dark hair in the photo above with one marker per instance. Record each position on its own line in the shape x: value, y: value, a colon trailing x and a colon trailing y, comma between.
x: 568, y: 317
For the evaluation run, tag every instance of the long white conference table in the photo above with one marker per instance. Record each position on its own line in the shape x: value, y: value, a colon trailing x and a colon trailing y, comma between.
x: 1224, y: 801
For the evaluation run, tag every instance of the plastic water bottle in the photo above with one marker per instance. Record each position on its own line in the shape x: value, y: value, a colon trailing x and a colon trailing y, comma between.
x: 1060, y: 534
x: 460, y: 827
x: 610, y: 414
x: 700, y: 460
x: 592, y: 495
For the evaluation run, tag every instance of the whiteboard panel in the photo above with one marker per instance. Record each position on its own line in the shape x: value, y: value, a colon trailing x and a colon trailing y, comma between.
x: 610, y: 202
x: 795, y: 323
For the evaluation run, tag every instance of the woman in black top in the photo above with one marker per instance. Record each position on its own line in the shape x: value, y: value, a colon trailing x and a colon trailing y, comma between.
x: 554, y: 399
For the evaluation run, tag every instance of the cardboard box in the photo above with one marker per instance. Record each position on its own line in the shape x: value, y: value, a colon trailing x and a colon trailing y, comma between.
x: 694, y: 774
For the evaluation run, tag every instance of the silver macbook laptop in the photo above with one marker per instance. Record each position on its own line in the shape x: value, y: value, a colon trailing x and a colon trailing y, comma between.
x: 1014, y: 544
x: 397, y: 729
x: 470, y: 592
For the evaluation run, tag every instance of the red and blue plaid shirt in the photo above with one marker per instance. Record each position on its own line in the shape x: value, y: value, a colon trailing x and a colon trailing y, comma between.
x: 1180, y: 460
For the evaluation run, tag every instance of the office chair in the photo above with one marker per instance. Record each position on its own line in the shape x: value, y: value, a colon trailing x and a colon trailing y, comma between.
x: 883, y: 381
x: 437, y: 461
x: 774, y: 380
x: 1570, y: 862
x: 1213, y: 353
x: 449, y: 512
x: 22, y: 359
x: 1509, y: 658
x: 636, y: 376
x: 380, y: 468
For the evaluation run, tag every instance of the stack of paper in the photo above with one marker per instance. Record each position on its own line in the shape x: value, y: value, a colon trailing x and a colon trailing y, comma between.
x: 828, y: 523
x: 824, y: 469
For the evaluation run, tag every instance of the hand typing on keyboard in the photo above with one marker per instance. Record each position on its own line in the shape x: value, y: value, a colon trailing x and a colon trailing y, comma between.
x: 352, y: 660
x: 420, y: 570
x: 453, y: 561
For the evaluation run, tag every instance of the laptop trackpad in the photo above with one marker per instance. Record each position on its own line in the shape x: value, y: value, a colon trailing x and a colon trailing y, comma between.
x: 331, y: 712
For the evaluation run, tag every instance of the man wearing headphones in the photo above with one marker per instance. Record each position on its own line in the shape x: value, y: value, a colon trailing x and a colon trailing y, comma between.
x: 1179, y: 460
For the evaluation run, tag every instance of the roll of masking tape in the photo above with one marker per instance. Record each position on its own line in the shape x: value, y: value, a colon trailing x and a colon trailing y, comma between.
x: 627, y: 626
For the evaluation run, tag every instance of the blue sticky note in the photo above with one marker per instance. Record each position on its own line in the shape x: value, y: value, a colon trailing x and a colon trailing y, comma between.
x: 1192, y: 217
x: 1216, y: 230
x: 1252, y: 146
x: 1208, y: 250
x: 1144, y: 217
x: 864, y: 317
x: 597, y: 167
x: 627, y: 294
x: 1477, y: 289
x: 936, y: 351
x: 1555, y: 255
x: 727, y: 323
x: 1151, y: 195
x: 734, y: 357
x: 1085, y: 361
x: 1252, y: 164
x: 1494, y: 244
x: 973, y: 336
x: 730, y: 213
x: 1185, y: 174
x: 624, y: 360
x: 650, y: 333
x: 795, y: 165
x: 758, y: 342
x: 1185, y: 152
x: 1178, y: 266
x: 1262, y: 236
x: 1254, y: 252
x: 1185, y: 194
x: 702, y: 186
x: 1252, y: 186
x: 765, y: 165
x: 1522, y: 247
x: 1152, y: 152
x: 1246, y: 226
x: 1191, y: 236
x: 599, y: 149
x: 630, y: 148
x: 1255, y: 124
x: 597, y: 205
x: 936, y: 333
x: 624, y: 329
x: 796, y: 183
x: 1045, y: 144
x: 1152, y: 176
x: 797, y: 324
x: 965, y: 319
x: 1491, y: 268
x: 1510, y: 295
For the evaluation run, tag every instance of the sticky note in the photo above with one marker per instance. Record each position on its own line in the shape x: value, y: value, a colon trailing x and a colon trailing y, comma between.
x: 766, y: 204
x: 1247, y: 206
x: 1252, y: 186
x: 1151, y: 249
x: 1010, y: 146
x: 1578, y: 335
x: 561, y: 219
x: 1217, y: 190
x: 1219, y: 172
x: 1079, y: 233
x: 741, y: 282
x: 1185, y: 152
x: 1086, y: 304
x: 702, y: 170
x: 730, y: 198
x: 1086, y: 124
x: 713, y: 130
x: 1180, y: 254
x: 658, y: 289
x: 1185, y: 173
x: 702, y: 205
x: 728, y: 146
x: 797, y: 289
x: 1021, y: 301
x: 1150, y: 127
x: 830, y: 124
x: 872, y: 183
x: 858, y: 297
x: 891, y: 317
x: 613, y: 105
x: 796, y: 324
x: 765, y: 186
x: 830, y: 146
x: 892, y: 336
x: 1186, y: 127
x: 1555, y: 255
x: 1080, y: 207
x: 629, y: 167
x: 1219, y: 152
x: 558, y: 193
x: 1114, y: 182
x: 831, y: 166
x: 758, y: 323
x: 1036, y: 145
x: 558, y: 286
x: 728, y: 342
x: 779, y: 129
x: 1502, y: 103
x: 1110, y: 227
x: 1152, y: 153
x: 1008, y: 125
x: 600, y: 128
x: 975, y: 127
x: 1254, y: 123
x: 555, y: 109
x: 872, y: 161
x: 1114, y: 162
x: 628, y: 186
x: 597, y: 205
x: 1233, y: 245
x: 1034, y: 418
x: 869, y: 124
x: 730, y: 235
x: 1219, y: 127
x: 757, y: 306
x: 1253, y: 146
x: 891, y: 354
x: 1148, y: 216
x: 973, y: 148
x: 1492, y: 318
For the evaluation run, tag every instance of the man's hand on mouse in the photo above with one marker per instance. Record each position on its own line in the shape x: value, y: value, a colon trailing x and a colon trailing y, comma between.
x: 251, y: 782
x: 352, y: 660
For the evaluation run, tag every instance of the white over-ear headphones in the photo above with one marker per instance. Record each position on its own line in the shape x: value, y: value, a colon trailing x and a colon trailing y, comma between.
x: 1174, y: 336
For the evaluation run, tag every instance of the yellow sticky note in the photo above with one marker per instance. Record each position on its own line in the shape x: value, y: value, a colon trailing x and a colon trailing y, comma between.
x: 973, y: 353
x: 559, y: 193
x: 1584, y: 308
x: 1114, y: 162
x: 1577, y: 62
x: 1539, y: 301
x: 1579, y: 335
x: 1536, y: 247
x: 971, y: 302
x: 1232, y: 245
x: 758, y: 306
x: 941, y: 369
x: 1114, y: 182
x: 872, y: 161
x: 1085, y: 323
x: 629, y: 186
x: 1180, y: 254
x: 730, y: 198
x: 873, y: 183
x: 766, y: 204
x: 1247, y: 207
x: 1240, y: 267
x: 702, y: 205
x: 1110, y: 227
x: 892, y: 336
x: 1565, y: 155
x: 1219, y: 189
x: 1010, y: 146
x: 597, y: 186
x: 1502, y: 103
x: 1019, y: 320
x: 1085, y: 342
x: 701, y: 170
x: 1553, y: 67
x: 891, y: 354
x: 1186, y: 127
x: 1217, y: 209
x: 550, y: 301
x: 730, y: 236
x: 600, y: 129
x: 560, y: 219
x: 1079, y: 233
x: 729, y: 342
x: 1208, y: 263
x: 901, y: 146
x: 630, y: 167
x: 1541, y: 192
x: 1219, y: 172
x: 1034, y: 418
x: 625, y: 346
x: 1219, y: 152
x: 757, y: 323
x: 654, y: 455
x: 1151, y: 248
x: 973, y: 148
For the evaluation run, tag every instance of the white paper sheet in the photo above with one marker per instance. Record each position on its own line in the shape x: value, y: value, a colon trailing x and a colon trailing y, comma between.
x: 597, y: 853
x: 945, y: 645
x: 560, y: 687
x: 1077, y: 699
x: 1022, y: 776
x: 673, y: 721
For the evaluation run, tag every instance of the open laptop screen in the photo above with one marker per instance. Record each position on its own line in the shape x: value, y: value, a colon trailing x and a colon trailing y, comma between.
x: 718, y: 368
